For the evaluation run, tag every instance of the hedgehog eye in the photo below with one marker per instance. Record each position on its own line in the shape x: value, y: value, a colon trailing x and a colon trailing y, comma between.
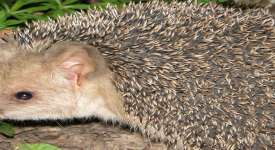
x: 23, y: 95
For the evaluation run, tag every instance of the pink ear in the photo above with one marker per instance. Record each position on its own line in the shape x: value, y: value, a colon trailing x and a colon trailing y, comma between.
x: 73, y: 68
x: 77, y: 64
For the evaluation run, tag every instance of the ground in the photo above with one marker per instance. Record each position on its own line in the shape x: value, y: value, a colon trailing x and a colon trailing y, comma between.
x: 80, y: 136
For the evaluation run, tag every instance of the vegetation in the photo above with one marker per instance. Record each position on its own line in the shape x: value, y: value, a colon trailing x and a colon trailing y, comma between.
x: 6, y: 129
x: 36, y: 147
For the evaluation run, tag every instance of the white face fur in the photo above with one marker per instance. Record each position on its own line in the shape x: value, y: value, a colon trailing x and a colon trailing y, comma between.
x: 64, y: 81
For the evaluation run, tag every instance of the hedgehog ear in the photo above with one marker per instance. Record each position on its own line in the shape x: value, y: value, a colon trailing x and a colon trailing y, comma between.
x: 75, y: 62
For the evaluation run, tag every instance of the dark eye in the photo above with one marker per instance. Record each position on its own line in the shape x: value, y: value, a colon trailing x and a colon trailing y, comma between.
x: 23, y: 95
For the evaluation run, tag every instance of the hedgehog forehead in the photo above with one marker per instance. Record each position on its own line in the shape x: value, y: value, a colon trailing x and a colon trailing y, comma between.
x: 19, y: 63
x: 12, y: 51
x: 8, y: 51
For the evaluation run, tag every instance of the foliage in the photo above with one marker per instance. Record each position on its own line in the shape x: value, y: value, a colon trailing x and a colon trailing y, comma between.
x: 6, y: 129
x: 40, y: 146
x: 13, y: 13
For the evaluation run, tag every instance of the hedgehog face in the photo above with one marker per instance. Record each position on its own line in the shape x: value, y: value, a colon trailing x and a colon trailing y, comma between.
x: 33, y: 93
x: 60, y: 82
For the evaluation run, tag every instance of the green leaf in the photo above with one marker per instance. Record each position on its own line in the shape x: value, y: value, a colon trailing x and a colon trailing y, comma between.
x: 39, y: 146
x: 3, y: 15
x: 20, y: 3
x: 67, y: 2
x: 25, y: 16
x: 5, y: 6
x: 78, y: 6
x: 6, y: 128
x: 51, y: 5
x: 12, y: 22
x: 33, y: 9
x: 55, y: 13
x: 58, y: 2
x: 2, y: 26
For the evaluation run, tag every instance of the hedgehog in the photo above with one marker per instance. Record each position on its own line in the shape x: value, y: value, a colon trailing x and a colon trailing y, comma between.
x: 192, y: 77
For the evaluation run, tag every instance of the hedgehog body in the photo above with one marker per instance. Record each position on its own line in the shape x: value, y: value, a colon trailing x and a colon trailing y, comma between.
x: 194, y: 76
